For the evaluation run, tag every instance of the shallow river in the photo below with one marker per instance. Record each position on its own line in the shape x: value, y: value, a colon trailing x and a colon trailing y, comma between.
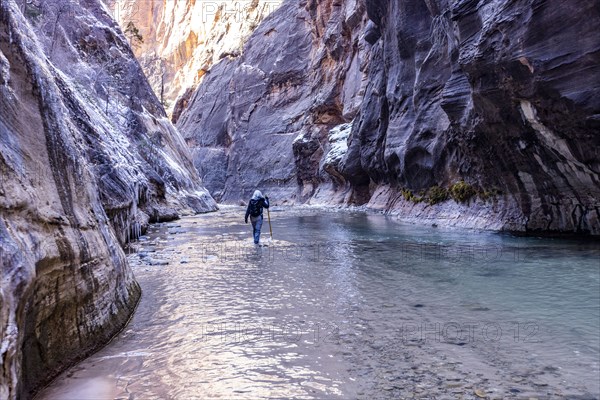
x: 348, y: 305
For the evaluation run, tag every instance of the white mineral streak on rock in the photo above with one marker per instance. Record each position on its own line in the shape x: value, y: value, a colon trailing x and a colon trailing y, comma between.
x: 338, y: 139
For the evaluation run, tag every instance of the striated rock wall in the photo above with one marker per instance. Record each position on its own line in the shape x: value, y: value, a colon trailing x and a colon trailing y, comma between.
x: 183, y: 39
x: 262, y: 119
x: 143, y: 169
x: 469, y: 113
x: 502, y: 95
x: 87, y: 158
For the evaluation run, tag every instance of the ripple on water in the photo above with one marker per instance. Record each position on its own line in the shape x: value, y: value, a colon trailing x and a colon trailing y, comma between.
x: 345, y: 305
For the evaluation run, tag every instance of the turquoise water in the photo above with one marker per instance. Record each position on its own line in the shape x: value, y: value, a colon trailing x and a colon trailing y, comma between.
x: 348, y: 305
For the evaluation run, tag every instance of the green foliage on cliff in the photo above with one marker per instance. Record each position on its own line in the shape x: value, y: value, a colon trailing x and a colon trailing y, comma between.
x: 462, y: 192
x: 485, y: 195
x: 409, y: 196
x: 32, y: 11
x: 437, y: 194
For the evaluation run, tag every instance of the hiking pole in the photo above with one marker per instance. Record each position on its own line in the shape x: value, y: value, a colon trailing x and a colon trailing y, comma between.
x: 270, y: 228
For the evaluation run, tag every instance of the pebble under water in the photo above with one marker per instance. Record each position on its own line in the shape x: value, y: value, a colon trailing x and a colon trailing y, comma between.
x: 349, y: 305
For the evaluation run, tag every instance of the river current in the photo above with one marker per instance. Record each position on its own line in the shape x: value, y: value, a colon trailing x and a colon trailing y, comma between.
x: 350, y: 305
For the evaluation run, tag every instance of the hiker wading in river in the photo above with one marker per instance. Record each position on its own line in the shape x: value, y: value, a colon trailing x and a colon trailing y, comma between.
x: 255, y: 211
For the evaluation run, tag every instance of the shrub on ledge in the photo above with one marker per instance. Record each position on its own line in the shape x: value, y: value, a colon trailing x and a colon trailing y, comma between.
x: 461, y: 192
x: 437, y: 194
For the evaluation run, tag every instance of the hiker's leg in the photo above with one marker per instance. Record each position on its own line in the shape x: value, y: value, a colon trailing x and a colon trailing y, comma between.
x: 257, y: 228
x: 253, y: 220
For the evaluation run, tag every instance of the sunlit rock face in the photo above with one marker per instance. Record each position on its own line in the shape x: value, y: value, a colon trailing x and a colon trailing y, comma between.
x: 501, y: 95
x: 87, y: 158
x: 183, y: 39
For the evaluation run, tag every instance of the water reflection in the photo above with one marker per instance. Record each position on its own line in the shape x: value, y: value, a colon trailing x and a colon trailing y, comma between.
x: 345, y: 305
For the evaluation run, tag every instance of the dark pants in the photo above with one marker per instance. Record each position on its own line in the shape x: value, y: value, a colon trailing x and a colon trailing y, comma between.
x: 256, y: 225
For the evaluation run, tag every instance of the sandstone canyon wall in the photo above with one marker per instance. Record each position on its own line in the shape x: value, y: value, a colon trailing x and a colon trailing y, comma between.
x: 262, y: 119
x: 88, y: 158
x: 183, y: 39
x: 469, y: 113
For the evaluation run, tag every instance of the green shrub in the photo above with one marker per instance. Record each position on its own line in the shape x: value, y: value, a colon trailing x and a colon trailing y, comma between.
x: 32, y: 12
x: 409, y: 196
x: 133, y: 34
x: 437, y: 194
x: 461, y: 192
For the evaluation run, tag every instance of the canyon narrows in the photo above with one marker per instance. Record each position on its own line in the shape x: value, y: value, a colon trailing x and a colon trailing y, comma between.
x: 466, y: 113
x: 116, y: 114
x: 88, y: 159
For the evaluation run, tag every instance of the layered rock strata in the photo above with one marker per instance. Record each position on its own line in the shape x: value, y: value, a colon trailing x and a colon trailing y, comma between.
x: 262, y: 119
x: 182, y: 40
x: 87, y: 158
x: 467, y: 113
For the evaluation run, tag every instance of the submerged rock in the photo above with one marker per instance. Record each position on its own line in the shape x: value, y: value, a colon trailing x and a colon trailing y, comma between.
x: 87, y: 158
x: 497, y: 98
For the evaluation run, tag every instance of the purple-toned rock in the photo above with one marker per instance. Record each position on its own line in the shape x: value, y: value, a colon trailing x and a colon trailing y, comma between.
x: 87, y: 158
x: 262, y: 119
x: 495, y: 100
x: 500, y: 95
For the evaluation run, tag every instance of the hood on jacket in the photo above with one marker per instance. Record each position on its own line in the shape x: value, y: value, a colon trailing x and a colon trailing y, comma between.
x: 257, y: 195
